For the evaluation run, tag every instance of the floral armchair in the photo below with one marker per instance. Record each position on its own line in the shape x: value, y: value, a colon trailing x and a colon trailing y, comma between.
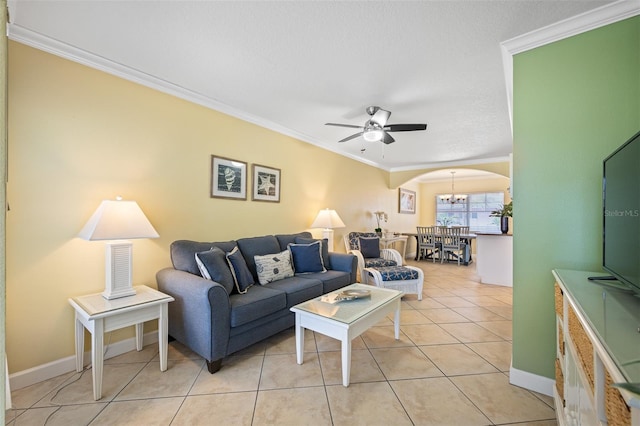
x: 366, y: 247
x: 383, y: 267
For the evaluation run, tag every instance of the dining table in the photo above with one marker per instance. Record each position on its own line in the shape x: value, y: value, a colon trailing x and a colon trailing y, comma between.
x: 467, y: 238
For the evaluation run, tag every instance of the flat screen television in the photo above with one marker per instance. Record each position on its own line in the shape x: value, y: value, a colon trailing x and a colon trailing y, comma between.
x: 621, y: 213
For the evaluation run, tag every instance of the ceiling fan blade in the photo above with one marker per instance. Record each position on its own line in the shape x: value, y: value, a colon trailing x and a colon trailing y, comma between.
x: 348, y: 138
x: 404, y: 127
x: 387, y: 138
x: 344, y: 125
x: 381, y: 116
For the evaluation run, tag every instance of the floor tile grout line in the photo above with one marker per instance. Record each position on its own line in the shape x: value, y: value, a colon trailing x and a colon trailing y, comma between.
x: 188, y: 392
x: 470, y: 400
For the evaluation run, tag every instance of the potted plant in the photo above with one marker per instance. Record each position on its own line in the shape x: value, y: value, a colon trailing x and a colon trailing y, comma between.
x: 380, y: 216
x: 504, y: 213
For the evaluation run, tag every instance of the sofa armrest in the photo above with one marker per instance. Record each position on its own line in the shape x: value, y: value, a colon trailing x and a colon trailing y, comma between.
x: 346, y: 263
x: 200, y: 315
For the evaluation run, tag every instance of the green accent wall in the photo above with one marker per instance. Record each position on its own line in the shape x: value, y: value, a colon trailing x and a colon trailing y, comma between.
x: 575, y: 101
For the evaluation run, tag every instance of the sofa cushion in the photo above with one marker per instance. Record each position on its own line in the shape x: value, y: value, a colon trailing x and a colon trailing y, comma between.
x: 331, y: 280
x: 258, y: 302
x: 285, y: 239
x: 298, y: 289
x: 183, y: 253
x: 241, y: 275
x: 397, y: 273
x: 325, y: 248
x: 369, y: 247
x: 257, y: 246
x: 213, y: 266
x: 307, y: 257
x: 273, y: 267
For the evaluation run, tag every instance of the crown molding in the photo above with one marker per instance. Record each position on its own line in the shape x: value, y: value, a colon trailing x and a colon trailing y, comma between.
x: 596, y: 18
x: 587, y: 21
x: 66, y: 51
x: 38, y: 41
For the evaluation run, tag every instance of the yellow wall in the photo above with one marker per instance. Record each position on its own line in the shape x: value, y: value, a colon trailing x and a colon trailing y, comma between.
x: 77, y: 136
x: 3, y: 174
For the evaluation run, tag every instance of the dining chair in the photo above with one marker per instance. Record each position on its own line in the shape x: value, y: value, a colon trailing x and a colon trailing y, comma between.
x: 452, y: 244
x: 428, y: 244
x: 464, y: 230
x: 440, y: 229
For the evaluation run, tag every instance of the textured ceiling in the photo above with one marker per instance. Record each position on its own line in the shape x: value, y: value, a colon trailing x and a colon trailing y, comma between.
x: 294, y: 65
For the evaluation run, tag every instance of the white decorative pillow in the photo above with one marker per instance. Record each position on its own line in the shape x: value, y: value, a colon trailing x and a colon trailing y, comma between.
x: 273, y: 267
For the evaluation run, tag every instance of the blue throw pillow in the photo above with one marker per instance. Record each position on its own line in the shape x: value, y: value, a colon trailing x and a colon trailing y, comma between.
x: 240, y: 271
x: 213, y: 266
x: 370, y: 247
x: 307, y: 257
x: 325, y: 248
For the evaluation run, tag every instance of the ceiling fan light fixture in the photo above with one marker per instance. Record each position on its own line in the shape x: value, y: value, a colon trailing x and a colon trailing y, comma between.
x: 372, y: 133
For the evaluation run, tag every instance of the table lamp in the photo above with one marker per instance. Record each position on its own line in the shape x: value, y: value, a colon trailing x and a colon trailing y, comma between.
x: 328, y: 220
x: 117, y: 221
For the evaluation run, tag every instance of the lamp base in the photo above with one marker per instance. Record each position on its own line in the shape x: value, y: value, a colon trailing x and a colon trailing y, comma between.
x: 110, y: 295
x: 118, y: 270
x: 328, y: 234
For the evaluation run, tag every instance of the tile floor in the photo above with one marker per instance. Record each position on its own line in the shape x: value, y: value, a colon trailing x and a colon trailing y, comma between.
x: 450, y: 367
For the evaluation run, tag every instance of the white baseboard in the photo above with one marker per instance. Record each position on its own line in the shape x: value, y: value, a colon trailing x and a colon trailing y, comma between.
x: 532, y: 382
x: 53, y: 369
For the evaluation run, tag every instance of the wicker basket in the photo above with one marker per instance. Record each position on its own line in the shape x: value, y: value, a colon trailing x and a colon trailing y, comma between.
x: 583, y: 345
x: 559, y: 300
x: 560, y: 381
x: 560, y: 339
x: 618, y: 412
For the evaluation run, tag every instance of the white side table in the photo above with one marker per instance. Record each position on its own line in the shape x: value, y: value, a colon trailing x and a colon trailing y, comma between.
x: 99, y: 316
x: 391, y: 241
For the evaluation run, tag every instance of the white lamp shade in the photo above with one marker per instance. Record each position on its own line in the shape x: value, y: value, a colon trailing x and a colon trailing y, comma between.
x: 118, y: 220
x: 328, y: 219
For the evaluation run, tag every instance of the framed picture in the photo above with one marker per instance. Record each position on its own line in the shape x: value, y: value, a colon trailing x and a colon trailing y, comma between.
x: 406, y: 201
x: 228, y: 178
x: 266, y: 183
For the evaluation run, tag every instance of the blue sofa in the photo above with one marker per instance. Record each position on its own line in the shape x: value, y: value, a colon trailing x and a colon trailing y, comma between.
x: 215, y: 320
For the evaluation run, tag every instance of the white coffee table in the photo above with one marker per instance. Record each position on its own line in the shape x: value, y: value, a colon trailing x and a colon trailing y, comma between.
x: 346, y: 320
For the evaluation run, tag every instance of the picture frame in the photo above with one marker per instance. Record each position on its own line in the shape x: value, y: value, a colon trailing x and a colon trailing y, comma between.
x: 265, y: 183
x: 406, y: 201
x: 228, y: 178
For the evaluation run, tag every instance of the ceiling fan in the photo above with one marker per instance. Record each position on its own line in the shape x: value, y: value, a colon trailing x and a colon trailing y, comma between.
x: 376, y: 128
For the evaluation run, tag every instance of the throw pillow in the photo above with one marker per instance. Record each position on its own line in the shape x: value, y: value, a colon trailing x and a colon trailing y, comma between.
x: 241, y: 274
x: 370, y: 247
x: 273, y: 267
x: 307, y: 258
x: 325, y: 248
x: 213, y: 266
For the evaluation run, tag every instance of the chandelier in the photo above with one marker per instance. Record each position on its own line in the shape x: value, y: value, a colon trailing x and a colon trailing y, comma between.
x: 453, y: 198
